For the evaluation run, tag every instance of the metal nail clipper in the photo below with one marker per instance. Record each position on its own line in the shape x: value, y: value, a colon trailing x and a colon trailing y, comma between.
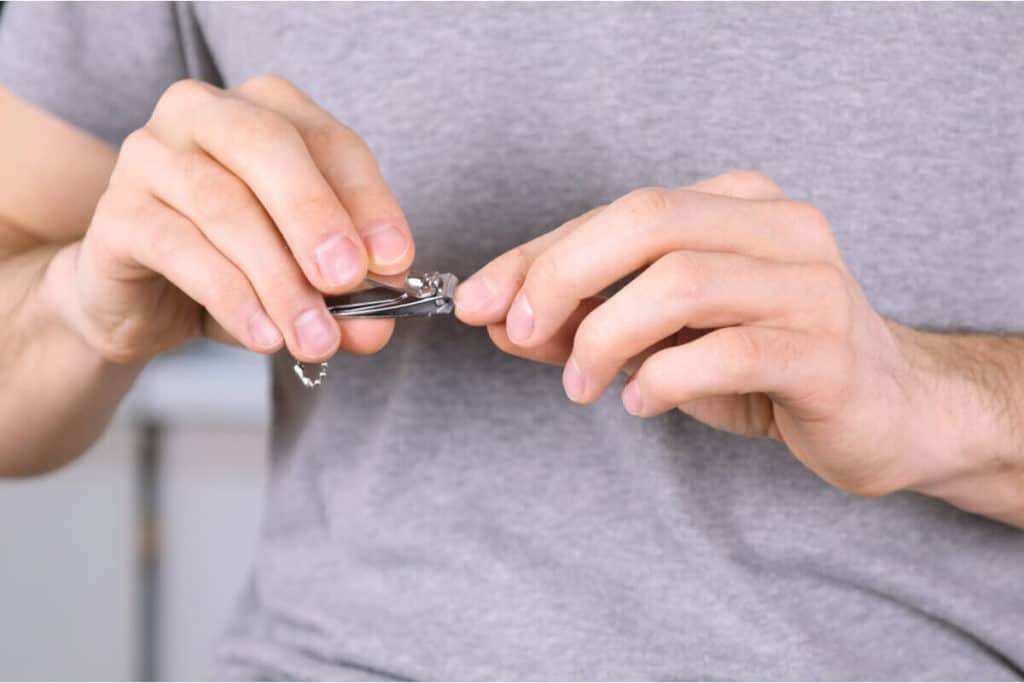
x: 413, y: 295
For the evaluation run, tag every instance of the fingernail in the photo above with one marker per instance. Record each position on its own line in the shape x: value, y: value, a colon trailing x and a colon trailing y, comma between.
x: 386, y: 243
x: 263, y: 331
x: 339, y: 260
x: 475, y: 294
x: 519, y: 322
x: 572, y: 380
x: 316, y: 332
x: 631, y: 398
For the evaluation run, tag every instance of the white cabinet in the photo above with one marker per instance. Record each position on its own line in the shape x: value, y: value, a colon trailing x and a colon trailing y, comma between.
x: 73, y: 544
x: 211, y: 495
x: 68, y: 581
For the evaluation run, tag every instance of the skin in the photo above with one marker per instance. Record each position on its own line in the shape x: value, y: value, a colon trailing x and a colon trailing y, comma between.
x: 744, y: 315
x: 228, y: 216
x: 230, y: 212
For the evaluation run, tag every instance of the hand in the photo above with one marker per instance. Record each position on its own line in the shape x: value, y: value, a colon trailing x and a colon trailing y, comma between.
x: 743, y: 315
x: 228, y: 215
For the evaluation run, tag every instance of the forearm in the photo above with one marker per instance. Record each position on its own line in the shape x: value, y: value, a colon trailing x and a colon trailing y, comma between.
x: 58, y: 393
x: 975, y: 394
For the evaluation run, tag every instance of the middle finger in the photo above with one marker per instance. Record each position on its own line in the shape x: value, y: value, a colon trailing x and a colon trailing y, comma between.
x: 485, y: 298
x: 232, y: 219
x: 642, y: 227
x: 695, y: 290
x: 266, y: 151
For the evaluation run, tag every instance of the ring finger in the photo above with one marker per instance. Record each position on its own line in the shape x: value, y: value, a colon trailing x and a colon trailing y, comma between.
x: 696, y: 290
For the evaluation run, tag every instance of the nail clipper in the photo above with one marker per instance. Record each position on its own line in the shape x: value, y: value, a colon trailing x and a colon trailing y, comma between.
x: 413, y: 295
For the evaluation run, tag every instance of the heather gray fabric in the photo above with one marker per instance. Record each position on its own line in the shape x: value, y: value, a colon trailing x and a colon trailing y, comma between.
x: 440, y: 510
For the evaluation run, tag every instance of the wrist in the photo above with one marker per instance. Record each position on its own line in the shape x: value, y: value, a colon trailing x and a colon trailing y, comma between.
x: 56, y: 304
x: 52, y: 375
x: 966, y: 440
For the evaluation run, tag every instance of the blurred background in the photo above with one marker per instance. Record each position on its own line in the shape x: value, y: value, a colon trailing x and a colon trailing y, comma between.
x: 126, y: 564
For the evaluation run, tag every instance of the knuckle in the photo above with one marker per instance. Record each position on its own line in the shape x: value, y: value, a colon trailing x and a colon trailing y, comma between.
x: 314, y: 210
x: 136, y: 146
x: 282, y: 270
x: 511, y: 268
x: 745, y: 353
x: 812, y: 228
x: 163, y: 242
x: 225, y: 286
x: 645, y: 203
x: 809, y: 215
x: 108, y: 209
x: 152, y: 238
x: 684, y: 275
x: 267, y: 124
x: 594, y: 340
x: 321, y: 136
x: 748, y: 181
x: 215, y: 194
x: 544, y: 274
x: 520, y: 261
x: 653, y: 388
x: 267, y: 83
x: 811, y: 220
x: 332, y: 135
x: 185, y: 92
x: 254, y: 125
x: 284, y: 286
x: 224, y: 289
x: 828, y: 278
x: 115, y: 225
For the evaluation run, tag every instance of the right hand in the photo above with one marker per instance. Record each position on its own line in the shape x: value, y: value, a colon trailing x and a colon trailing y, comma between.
x: 229, y: 215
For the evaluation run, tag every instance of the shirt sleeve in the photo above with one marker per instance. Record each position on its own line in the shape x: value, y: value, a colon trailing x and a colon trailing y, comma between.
x: 100, y: 66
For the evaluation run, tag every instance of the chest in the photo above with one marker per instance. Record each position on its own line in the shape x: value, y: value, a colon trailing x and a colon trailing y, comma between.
x: 494, y: 123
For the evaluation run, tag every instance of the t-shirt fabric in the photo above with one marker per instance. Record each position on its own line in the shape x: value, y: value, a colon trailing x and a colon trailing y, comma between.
x: 440, y: 509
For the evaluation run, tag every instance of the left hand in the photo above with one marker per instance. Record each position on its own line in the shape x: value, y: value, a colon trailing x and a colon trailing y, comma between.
x: 743, y: 315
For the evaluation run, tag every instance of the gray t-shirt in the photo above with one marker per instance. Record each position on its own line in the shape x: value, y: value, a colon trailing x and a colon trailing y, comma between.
x: 440, y: 509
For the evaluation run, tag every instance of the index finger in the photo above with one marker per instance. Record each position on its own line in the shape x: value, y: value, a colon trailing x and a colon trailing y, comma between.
x: 351, y: 169
x: 266, y: 151
x: 639, y: 228
x: 486, y: 296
